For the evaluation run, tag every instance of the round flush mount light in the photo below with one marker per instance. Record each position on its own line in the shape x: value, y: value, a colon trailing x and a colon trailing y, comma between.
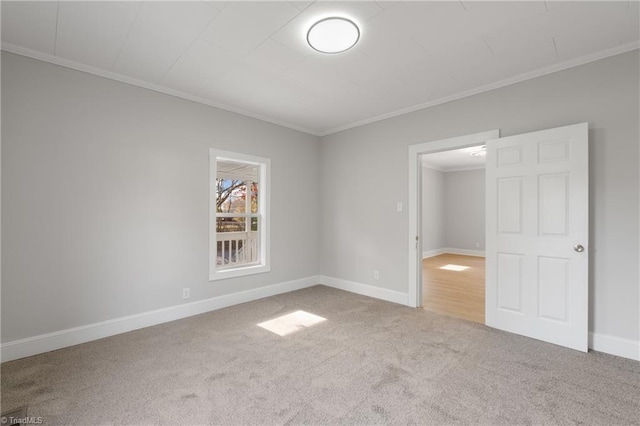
x: 333, y: 35
x: 479, y: 152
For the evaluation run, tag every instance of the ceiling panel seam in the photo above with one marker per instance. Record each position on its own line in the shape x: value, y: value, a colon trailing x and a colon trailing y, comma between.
x: 197, y: 37
x: 126, y: 38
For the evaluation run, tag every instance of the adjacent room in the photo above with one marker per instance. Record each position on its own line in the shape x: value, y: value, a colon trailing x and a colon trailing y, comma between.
x: 320, y: 212
x: 453, y: 227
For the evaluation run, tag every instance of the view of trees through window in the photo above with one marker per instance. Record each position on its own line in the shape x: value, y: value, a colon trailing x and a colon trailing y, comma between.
x: 236, y: 205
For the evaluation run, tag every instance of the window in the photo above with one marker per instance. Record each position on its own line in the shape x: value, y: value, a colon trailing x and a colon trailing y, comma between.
x: 239, y: 214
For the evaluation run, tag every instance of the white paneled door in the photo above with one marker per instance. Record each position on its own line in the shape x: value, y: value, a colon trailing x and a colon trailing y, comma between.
x: 537, y: 235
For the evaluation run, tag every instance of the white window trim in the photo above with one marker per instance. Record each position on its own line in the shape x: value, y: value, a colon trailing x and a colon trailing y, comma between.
x: 264, y: 209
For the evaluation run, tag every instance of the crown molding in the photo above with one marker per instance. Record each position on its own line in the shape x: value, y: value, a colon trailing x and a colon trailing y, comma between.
x: 18, y: 50
x: 492, y: 86
x: 11, y: 48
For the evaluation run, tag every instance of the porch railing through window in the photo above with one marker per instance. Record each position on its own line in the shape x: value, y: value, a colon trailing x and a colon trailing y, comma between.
x: 237, y: 248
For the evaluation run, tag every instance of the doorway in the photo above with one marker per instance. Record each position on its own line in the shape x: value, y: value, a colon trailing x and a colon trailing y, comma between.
x: 537, y: 255
x: 453, y: 232
x: 416, y: 152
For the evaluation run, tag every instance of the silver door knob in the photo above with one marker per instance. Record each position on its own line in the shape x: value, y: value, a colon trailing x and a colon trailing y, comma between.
x: 579, y: 248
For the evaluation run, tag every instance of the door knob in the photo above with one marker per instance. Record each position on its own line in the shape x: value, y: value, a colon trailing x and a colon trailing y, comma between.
x: 579, y: 248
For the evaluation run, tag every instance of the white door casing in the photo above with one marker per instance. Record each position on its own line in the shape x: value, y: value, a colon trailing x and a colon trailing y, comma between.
x: 415, y: 197
x: 537, y: 222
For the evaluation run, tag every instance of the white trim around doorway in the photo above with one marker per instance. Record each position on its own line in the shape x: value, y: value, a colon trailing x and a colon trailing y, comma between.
x: 415, y: 197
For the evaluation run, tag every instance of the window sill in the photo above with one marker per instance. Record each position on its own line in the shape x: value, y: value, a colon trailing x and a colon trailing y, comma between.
x: 241, y: 271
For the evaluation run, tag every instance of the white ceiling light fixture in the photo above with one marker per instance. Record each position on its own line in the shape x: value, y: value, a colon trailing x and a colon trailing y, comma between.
x: 480, y: 152
x: 333, y: 35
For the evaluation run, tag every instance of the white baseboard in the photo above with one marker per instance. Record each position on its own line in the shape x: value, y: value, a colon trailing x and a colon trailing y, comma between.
x: 432, y: 253
x: 86, y: 333
x: 451, y: 250
x: 464, y: 252
x: 612, y: 345
x: 366, y: 290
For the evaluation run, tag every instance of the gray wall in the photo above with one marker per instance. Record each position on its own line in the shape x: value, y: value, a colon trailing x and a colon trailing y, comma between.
x: 464, y: 209
x: 105, y: 193
x: 453, y: 209
x: 604, y: 93
x: 105, y: 198
x: 433, y: 230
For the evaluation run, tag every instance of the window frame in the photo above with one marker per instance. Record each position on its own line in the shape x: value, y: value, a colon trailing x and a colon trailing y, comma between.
x: 264, y: 213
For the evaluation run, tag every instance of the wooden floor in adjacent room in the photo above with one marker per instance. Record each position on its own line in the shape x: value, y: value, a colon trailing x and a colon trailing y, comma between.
x: 459, y: 293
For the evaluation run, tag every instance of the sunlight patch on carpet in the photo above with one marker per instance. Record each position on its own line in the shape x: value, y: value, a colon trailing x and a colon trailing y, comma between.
x: 290, y: 323
x: 456, y: 268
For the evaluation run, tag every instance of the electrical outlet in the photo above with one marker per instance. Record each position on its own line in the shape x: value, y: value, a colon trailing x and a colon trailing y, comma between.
x: 399, y: 207
x: 376, y: 275
x: 477, y: 245
x: 186, y: 293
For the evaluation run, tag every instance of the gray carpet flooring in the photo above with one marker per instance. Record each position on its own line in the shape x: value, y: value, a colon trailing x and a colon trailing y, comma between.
x: 370, y: 362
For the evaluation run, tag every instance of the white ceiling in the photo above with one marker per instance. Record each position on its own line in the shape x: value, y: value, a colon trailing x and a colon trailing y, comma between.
x: 454, y: 160
x: 252, y: 57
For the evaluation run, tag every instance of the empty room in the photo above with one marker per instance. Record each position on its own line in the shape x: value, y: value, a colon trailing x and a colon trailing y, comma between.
x: 223, y: 212
x: 453, y: 232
